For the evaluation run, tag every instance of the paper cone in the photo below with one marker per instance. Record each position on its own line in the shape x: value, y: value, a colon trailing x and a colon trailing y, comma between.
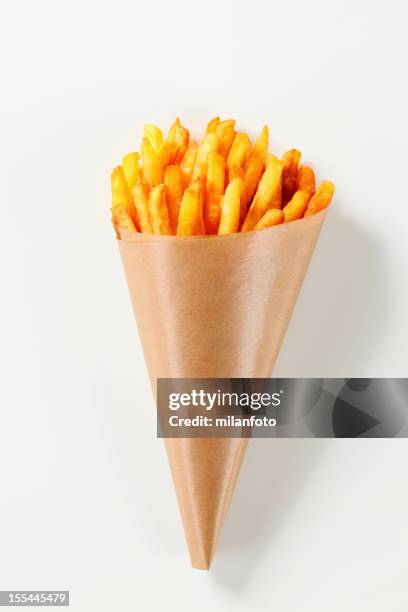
x: 214, y: 307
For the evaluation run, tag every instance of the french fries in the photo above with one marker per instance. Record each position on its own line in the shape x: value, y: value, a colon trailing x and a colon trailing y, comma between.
x: 121, y: 196
x: 152, y: 167
x: 154, y: 135
x: 268, y: 194
x: 321, y: 199
x: 158, y: 213
x: 173, y: 180
x: 215, y: 189
x: 140, y: 193
x: 290, y: 162
x: 296, y: 207
x: 191, y: 217
x: 230, y: 211
x: 238, y: 156
x: 221, y: 185
x: 122, y: 220
x: 273, y: 216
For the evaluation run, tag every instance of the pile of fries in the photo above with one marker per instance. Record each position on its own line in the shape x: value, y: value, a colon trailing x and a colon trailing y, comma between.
x: 221, y: 186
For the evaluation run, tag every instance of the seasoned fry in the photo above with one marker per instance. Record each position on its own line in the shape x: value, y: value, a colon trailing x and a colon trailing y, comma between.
x: 130, y: 165
x: 268, y: 194
x: 187, y: 163
x: 306, y: 179
x: 238, y: 155
x: 273, y: 216
x: 226, y: 133
x: 191, y: 217
x: 321, y: 199
x: 254, y: 168
x: 122, y: 220
x: 212, y: 125
x: 215, y: 189
x: 290, y: 162
x: 158, y: 213
x: 210, y: 144
x: 181, y: 139
x: 173, y: 179
x: 140, y: 193
x: 121, y: 195
x: 152, y: 168
x: 231, y: 207
x: 154, y: 135
x: 297, y: 205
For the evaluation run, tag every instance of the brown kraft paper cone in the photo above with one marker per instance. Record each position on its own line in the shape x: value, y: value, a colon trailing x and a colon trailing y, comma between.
x: 214, y: 307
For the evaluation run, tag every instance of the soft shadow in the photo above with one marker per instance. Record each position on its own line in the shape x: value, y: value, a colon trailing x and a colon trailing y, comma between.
x: 339, y: 314
x: 334, y: 329
x: 272, y: 477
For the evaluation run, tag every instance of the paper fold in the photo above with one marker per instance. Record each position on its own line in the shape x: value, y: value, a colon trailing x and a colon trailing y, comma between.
x: 214, y: 307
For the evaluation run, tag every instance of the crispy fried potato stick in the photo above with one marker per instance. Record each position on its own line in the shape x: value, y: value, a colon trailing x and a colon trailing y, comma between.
x: 209, y: 144
x: 154, y: 135
x: 297, y: 205
x: 290, y: 161
x: 175, y: 145
x: 191, y: 217
x: 152, y: 168
x: 238, y: 156
x: 122, y: 221
x: 215, y: 189
x: 273, y: 216
x: 268, y: 194
x: 130, y: 165
x: 187, y: 163
x: 159, y: 215
x: 306, y: 179
x: 140, y: 193
x: 254, y: 168
x: 173, y: 179
x: 231, y: 208
x: 321, y: 199
x: 212, y: 125
x: 226, y: 133
x: 121, y: 195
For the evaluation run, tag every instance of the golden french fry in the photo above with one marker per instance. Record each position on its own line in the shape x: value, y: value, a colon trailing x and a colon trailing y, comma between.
x: 297, y: 205
x: 231, y: 208
x: 122, y: 220
x: 306, y: 179
x: 159, y: 215
x: 187, y: 163
x: 215, y: 189
x: 121, y: 195
x: 254, y: 168
x: 191, y: 217
x: 152, y: 168
x: 212, y: 125
x: 321, y: 199
x: 290, y: 162
x: 173, y: 179
x: 175, y: 145
x: 181, y: 139
x: 130, y: 165
x: 268, y: 194
x: 226, y: 133
x: 154, y: 135
x: 273, y: 216
x: 210, y: 144
x: 140, y: 193
x: 238, y: 155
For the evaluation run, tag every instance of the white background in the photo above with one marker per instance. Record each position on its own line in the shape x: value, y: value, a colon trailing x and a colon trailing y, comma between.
x: 86, y: 497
